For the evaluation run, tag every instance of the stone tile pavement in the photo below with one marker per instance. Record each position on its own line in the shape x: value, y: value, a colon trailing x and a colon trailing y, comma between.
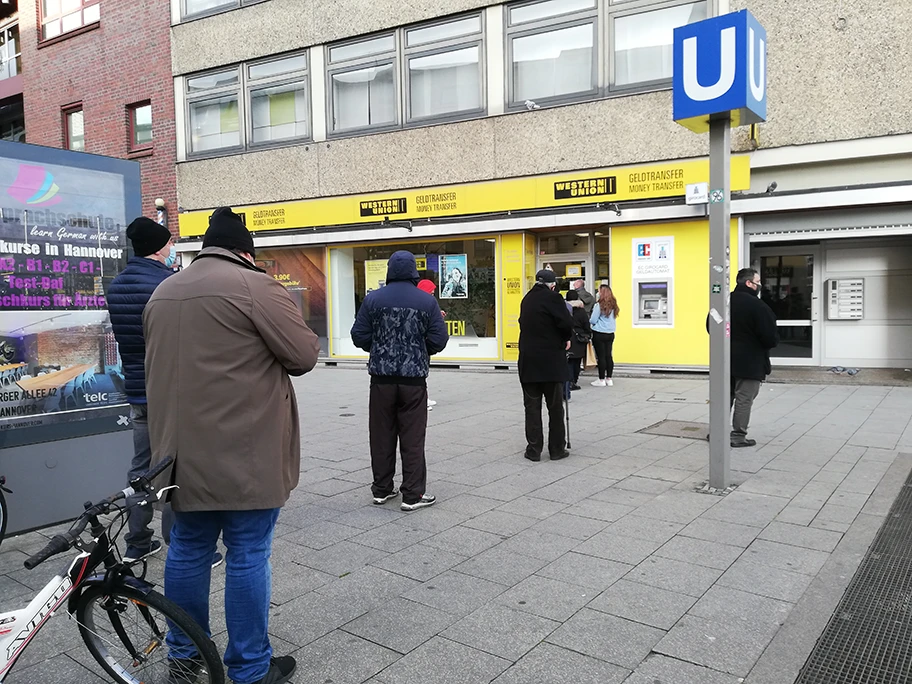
x: 606, y: 567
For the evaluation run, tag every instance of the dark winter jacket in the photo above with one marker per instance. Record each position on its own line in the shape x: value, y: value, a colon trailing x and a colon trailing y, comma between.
x: 400, y: 326
x: 753, y: 334
x: 128, y: 295
x: 588, y: 300
x: 545, y: 326
x: 581, y: 329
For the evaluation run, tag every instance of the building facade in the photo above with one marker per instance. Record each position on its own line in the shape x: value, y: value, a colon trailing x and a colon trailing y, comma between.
x: 496, y: 138
x: 93, y: 76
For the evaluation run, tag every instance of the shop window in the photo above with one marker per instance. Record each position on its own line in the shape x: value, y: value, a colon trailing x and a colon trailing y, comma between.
x: 140, y: 126
x: 62, y: 16
x: 430, y: 71
x: 463, y: 272
x: 74, y: 129
x: 190, y: 9
x: 300, y: 270
x: 250, y: 105
x: 566, y: 50
x: 12, y: 120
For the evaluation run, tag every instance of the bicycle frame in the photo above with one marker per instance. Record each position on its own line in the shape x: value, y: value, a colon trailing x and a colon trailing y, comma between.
x: 19, y: 627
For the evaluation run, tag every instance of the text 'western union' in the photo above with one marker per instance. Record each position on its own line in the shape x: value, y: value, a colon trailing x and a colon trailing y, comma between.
x: 587, y: 187
x: 383, y: 207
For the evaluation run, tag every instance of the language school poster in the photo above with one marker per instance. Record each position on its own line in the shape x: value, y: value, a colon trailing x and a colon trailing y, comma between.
x: 454, y: 276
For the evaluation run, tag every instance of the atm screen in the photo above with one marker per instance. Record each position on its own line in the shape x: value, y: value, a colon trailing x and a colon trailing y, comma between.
x: 650, y: 305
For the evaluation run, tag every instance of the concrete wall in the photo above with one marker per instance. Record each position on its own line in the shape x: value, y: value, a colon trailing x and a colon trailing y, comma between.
x: 835, y: 70
x: 884, y: 337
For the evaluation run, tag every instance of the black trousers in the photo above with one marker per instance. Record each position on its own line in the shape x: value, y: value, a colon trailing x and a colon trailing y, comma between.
x: 602, y: 343
x: 398, y: 413
x: 553, y: 393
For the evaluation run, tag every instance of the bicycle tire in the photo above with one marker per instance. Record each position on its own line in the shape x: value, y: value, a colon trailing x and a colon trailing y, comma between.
x: 100, y: 635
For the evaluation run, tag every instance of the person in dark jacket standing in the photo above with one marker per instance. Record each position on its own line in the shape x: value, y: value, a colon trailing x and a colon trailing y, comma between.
x: 586, y: 297
x: 545, y: 328
x: 128, y: 295
x: 401, y: 327
x: 579, y: 342
x: 753, y: 334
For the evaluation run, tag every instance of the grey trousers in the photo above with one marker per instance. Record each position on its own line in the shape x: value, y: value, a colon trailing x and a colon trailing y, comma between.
x: 139, y: 533
x: 743, y: 393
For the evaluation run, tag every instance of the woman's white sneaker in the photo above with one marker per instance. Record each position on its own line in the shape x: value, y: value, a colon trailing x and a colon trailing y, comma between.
x: 609, y: 383
x: 598, y: 383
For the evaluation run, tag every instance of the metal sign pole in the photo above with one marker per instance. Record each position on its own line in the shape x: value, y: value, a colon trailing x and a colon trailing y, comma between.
x: 719, y: 265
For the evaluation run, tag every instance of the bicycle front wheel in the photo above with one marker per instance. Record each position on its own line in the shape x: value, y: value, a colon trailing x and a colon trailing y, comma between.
x: 2, y: 516
x: 125, y: 631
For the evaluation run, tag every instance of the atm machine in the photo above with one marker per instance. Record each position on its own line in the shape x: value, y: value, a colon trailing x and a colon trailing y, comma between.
x: 653, y: 303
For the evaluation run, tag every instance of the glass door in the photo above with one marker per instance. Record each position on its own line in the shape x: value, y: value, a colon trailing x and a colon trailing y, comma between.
x: 567, y: 268
x: 790, y: 286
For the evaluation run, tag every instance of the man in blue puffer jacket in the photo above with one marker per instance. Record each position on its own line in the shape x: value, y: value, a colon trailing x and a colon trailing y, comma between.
x: 402, y: 328
x: 127, y: 298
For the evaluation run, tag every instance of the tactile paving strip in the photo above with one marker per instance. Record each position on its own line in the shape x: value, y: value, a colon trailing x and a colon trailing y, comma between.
x: 869, y: 638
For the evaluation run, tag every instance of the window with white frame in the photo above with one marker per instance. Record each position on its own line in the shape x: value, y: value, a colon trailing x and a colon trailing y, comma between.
x: 248, y: 105
x: 416, y: 74
x: 567, y: 50
x: 197, y: 8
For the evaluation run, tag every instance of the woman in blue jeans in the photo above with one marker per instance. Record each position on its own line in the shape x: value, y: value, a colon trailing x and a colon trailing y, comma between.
x: 604, y: 325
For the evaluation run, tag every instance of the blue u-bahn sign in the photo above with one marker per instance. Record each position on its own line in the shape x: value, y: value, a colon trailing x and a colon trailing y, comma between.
x: 720, y: 68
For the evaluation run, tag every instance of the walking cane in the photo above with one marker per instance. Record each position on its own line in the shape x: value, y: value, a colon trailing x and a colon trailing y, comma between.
x: 567, y: 413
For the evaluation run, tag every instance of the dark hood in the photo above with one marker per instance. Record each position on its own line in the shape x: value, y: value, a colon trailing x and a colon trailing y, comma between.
x: 402, y: 266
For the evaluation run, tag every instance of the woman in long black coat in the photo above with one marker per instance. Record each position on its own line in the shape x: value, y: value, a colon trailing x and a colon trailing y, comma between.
x: 579, y: 341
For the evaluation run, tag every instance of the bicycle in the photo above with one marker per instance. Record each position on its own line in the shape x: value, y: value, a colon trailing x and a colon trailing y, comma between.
x: 121, y: 618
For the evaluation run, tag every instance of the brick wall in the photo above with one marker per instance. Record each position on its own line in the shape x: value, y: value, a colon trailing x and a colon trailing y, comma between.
x: 68, y: 348
x: 126, y: 59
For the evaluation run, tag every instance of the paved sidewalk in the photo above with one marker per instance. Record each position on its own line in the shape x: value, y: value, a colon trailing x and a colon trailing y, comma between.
x: 603, y: 568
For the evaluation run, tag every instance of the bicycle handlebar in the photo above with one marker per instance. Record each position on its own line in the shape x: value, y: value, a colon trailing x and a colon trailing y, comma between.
x: 63, y: 542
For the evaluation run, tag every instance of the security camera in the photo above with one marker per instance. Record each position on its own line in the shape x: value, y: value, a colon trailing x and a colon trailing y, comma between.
x: 772, y: 187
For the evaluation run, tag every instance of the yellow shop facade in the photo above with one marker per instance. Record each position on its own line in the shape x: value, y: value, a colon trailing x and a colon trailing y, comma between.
x: 481, y: 244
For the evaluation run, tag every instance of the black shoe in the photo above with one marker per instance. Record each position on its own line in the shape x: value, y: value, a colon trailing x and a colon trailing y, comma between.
x: 744, y: 443
x: 184, y: 670
x: 574, y: 387
x: 135, y: 554
x: 558, y: 456
x: 532, y: 456
x: 280, y: 671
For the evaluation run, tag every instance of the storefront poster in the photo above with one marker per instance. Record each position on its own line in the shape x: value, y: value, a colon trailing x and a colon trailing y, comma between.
x: 375, y: 273
x: 454, y: 275
x: 62, y: 241
x: 653, y: 257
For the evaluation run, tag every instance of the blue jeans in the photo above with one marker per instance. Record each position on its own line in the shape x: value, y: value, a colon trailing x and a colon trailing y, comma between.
x: 247, y: 536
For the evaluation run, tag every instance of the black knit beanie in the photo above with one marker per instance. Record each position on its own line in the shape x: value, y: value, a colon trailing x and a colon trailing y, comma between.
x: 226, y: 230
x: 147, y: 236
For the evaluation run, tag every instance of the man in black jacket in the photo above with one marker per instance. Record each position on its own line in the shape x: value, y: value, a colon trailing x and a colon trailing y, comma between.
x: 545, y: 327
x: 753, y: 334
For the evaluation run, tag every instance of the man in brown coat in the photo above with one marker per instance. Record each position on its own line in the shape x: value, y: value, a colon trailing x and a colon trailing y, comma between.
x: 222, y: 339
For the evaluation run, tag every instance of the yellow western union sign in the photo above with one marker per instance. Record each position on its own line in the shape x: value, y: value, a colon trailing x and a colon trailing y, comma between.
x: 535, y: 192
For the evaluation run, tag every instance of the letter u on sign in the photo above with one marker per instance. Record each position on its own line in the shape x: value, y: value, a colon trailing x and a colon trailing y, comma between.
x: 720, y: 68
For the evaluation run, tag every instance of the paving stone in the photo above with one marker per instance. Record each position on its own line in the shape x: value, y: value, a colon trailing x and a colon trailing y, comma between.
x: 309, y: 617
x: 623, y: 497
x: 60, y: 668
x: 342, y: 558
x: 797, y: 515
x: 450, y: 663
x: 501, y: 566
x: 659, y: 472
x: 672, y: 575
x: 727, y: 647
x: 566, y: 525
x: 645, y: 528
x: 420, y: 562
x: 437, y: 519
x: 372, y: 516
x: 660, y: 669
x: 807, y: 537
x: 744, y: 508
x: 548, y: 664
x: 724, y: 532
x: 644, y: 485
x: 343, y: 658
x: 641, y: 603
x: 501, y: 631
x: 546, y: 597
x: 612, y: 546
x: 756, y: 578
x: 587, y: 571
x: 463, y: 540
x: 786, y: 557
x: 296, y: 580
x: 455, y: 593
x: 539, y: 545
x: 776, y: 483
x: 677, y: 506
x: 830, y: 525
x: 531, y: 507
x: 369, y: 586
x: 754, y: 612
x: 601, y: 510
x: 838, y: 514
x: 572, y: 488
x: 607, y: 637
x: 400, y: 624
x: 500, y: 523
x: 468, y: 503
x: 700, y: 552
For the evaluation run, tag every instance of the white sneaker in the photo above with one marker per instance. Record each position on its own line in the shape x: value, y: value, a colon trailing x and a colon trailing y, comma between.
x: 431, y: 402
x: 609, y: 383
x: 598, y: 383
